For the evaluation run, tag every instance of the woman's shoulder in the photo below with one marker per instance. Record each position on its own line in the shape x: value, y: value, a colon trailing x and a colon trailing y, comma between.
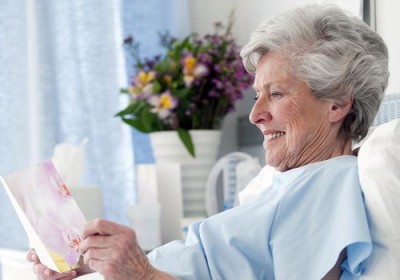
x: 339, y: 162
x: 331, y: 170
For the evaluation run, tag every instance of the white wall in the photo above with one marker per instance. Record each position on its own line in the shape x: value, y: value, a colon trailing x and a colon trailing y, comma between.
x: 387, y: 25
x: 248, y: 13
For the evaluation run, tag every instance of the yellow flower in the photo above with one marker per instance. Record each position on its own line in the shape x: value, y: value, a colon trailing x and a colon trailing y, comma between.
x: 144, y: 78
x: 141, y: 85
x: 192, y: 70
x: 163, y: 104
x: 166, y: 101
x: 189, y: 64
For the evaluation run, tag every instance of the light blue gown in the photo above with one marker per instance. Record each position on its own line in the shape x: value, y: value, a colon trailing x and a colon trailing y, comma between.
x: 295, y: 229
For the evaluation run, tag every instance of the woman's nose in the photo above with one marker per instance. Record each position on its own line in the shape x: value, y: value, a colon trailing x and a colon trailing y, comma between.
x: 260, y: 112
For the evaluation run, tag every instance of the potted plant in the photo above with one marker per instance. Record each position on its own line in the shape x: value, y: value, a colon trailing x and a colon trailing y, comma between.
x: 194, y: 85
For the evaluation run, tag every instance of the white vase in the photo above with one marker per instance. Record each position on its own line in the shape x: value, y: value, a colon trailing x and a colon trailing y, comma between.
x: 168, y: 148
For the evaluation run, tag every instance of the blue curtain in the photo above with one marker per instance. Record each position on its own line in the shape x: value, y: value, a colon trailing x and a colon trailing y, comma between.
x: 62, y: 64
x: 61, y: 68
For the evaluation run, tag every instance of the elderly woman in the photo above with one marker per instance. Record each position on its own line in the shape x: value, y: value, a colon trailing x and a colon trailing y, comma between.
x: 320, y: 76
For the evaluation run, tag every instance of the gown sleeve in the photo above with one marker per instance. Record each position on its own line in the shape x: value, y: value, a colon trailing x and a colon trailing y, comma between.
x: 189, y: 261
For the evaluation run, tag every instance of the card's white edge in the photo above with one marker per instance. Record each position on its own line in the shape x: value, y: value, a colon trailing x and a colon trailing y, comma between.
x: 36, y: 243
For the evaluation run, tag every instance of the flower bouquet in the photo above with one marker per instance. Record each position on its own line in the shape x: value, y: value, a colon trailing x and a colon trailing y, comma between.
x: 194, y: 85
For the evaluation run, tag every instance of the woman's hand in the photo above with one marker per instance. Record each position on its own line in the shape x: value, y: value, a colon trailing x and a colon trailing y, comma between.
x: 113, y: 251
x: 47, y: 274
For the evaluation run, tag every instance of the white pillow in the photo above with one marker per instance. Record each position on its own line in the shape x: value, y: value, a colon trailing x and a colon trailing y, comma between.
x: 379, y: 171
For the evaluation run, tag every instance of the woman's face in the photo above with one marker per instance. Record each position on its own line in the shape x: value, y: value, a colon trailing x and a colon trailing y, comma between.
x: 294, y: 123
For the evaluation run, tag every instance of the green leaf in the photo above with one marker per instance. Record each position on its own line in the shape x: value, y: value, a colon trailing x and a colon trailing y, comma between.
x: 136, y: 124
x: 147, y: 118
x: 132, y: 108
x: 124, y: 112
x: 156, y: 87
x: 182, y: 93
x: 124, y: 90
x: 187, y: 141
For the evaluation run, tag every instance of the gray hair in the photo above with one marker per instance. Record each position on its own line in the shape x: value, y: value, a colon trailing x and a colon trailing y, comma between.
x: 336, y: 54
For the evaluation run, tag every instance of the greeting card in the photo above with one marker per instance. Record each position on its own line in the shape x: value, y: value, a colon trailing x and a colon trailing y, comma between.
x: 48, y: 213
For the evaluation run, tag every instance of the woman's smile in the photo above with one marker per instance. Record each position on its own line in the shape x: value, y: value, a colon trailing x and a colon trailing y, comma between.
x: 273, y: 135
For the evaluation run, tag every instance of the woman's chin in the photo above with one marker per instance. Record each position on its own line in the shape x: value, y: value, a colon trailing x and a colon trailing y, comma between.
x: 269, y: 161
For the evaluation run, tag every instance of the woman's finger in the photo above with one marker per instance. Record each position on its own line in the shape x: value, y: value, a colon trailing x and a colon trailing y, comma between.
x: 32, y: 256
x: 94, y: 241
x: 94, y: 253
x: 44, y: 272
x: 47, y: 274
x: 101, y: 227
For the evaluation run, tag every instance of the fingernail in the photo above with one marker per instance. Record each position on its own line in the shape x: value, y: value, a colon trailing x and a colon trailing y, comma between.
x: 73, y: 273
x: 46, y: 272
x: 34, y: 257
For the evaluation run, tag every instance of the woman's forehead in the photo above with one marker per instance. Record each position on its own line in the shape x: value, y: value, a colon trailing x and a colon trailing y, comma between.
x: 273, y: 68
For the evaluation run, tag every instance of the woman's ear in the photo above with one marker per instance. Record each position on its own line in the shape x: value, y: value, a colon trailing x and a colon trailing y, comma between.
x: 337, y: 112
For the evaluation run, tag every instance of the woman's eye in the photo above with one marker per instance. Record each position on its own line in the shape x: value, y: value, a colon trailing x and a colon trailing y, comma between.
x: 275, y: 94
